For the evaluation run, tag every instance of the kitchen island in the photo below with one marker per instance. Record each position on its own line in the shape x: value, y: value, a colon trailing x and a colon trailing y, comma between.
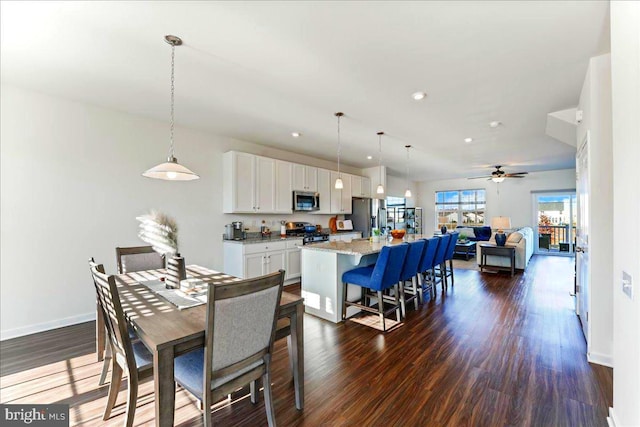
x: 323, y: 265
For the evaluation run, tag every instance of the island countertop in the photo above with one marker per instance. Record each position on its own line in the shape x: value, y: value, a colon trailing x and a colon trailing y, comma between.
x: 362, y: 247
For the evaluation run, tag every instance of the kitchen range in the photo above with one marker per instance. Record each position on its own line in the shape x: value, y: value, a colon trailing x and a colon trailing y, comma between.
x: 308, y: 232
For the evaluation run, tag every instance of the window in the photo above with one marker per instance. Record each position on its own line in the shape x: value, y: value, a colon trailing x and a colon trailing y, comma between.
x: 460, y: 207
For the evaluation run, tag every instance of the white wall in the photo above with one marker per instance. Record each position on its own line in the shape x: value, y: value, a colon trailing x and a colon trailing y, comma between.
x: 71, y: 187
x: 595, y: 101
x: 397, y: 186
x: 514, y: 199
x: 625, y: 72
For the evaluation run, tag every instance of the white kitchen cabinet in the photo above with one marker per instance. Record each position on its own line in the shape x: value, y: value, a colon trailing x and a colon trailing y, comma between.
x: 360, y: 186
x: 324, y: 189
x: 249, y: 183
x: 284, y: 187
x: 305, y: 178
x: 341, y: 199
x: 248, y: 260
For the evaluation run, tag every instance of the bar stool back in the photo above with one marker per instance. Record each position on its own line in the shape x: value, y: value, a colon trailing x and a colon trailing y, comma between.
x: 409, y: 273
x: 425, y: 280
x: 448, y: 271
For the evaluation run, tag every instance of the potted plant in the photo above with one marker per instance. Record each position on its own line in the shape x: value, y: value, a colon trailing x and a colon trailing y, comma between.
x: 462, y: 238
x: 161, y: 232
x: 375, y: 235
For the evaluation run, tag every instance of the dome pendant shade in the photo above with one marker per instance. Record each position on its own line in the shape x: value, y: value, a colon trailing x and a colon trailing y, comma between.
x: 380, y: 189
x: 407, y: 193
x: 171, y: 171
x: 339, y: 184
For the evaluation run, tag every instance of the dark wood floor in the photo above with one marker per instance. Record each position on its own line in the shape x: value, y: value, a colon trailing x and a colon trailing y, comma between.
x: 493, y: 351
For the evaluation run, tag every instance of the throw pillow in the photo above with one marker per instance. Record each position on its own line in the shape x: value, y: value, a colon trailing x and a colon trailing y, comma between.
x: 514, y: 238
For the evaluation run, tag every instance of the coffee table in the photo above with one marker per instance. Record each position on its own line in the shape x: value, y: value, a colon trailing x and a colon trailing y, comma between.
x: 465, y: 248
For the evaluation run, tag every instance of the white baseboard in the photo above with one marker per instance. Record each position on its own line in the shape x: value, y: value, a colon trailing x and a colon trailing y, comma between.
x: 46, y: 326
x: 600, y: 359
x: 611, y: 419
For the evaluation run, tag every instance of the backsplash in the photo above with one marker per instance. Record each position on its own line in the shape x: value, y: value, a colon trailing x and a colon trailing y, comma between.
x: 252, y: 222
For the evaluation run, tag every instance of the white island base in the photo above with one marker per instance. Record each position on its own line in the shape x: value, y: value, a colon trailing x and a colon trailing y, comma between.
x: 322, y: 281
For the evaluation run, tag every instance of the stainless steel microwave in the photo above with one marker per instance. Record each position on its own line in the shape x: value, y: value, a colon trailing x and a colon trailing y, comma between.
x: 306, y: 201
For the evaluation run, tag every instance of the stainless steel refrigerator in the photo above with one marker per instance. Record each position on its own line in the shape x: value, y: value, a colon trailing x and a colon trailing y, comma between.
x: 367, y: 214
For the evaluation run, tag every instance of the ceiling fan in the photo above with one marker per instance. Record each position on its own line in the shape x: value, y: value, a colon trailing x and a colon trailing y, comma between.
x: 499, y: 175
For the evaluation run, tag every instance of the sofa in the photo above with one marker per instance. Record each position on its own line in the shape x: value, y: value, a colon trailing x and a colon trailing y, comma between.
x: 475, y: 234
x: 522, y: 239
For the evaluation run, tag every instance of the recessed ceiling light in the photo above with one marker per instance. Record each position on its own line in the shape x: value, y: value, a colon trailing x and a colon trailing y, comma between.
x: 369, y: 157
x: 419, y: 96
x: 296, y: 134
x: 468, y: 140
x: 495, y: 124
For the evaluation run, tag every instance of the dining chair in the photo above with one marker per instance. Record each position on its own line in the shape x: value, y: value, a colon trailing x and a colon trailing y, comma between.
x: 437, y: 274
x: 409, y: 274
x: 377, y: 278
x: 239, y: 335
x: 426, y: 266
x: 138, y: 258
x: 448, y: 271
x: 130, y: 357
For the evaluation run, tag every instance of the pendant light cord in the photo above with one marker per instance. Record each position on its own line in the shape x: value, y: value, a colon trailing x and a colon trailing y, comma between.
x: 380, y: 155
x: 339, y: 144
x: 173, y: 57
x: 406, y: 168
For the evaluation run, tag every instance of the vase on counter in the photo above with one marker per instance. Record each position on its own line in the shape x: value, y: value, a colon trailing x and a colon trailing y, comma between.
x: 375, y: 239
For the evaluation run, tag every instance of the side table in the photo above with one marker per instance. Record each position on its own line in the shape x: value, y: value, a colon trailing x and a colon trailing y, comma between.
x: 502, y: 251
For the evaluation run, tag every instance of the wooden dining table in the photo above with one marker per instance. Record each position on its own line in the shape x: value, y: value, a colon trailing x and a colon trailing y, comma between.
x: 169, y: 332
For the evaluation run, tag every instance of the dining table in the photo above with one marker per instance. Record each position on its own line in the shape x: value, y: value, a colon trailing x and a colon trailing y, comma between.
x: 169, y: 331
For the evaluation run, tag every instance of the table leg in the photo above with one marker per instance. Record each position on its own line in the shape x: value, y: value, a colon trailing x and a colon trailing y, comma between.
x: 513, y: 263
x: 101, y: 338
x: 297, y: 344
x: 165, y: 389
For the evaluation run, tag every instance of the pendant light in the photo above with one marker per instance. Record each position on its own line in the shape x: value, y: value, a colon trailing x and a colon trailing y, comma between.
x: 408, y: 192
x: 380, y: 189
x: 339, y: 185
x: 171, y: 170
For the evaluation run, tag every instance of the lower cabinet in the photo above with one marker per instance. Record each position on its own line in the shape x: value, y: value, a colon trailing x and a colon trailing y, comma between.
x: 247, y: 260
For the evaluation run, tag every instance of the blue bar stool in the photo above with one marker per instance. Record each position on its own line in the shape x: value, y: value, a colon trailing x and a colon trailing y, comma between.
x: 437, y: 274
x: 409, y: 273
x: 383, y: 275
x: 425, y: 280
x: 449, y: 257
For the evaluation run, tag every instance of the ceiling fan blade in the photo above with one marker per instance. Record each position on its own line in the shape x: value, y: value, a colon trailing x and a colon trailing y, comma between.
x: 479, y: 177
x: 513, y: 176
x: 517, y: 173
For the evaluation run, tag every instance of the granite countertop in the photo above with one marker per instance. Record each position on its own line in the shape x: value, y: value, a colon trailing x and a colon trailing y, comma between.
x: 361, y: 246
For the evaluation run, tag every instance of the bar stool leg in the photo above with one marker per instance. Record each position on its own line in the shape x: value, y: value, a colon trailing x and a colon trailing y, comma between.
x: 403, y: 302
x: 381, y: 310
x: 344, y: 301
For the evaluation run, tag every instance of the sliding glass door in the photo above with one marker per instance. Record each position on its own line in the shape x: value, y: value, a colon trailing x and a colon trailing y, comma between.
x: 555, y: 215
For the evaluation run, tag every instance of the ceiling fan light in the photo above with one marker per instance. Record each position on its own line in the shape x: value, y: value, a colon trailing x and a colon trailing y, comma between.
x: 497, y: 179
x: 407, y: 193
x: 380, y: 189
x: 171, y: 171
x: 339, y: 185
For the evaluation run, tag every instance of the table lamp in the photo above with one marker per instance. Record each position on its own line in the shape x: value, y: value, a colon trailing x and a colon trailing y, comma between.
x: 499, y: 223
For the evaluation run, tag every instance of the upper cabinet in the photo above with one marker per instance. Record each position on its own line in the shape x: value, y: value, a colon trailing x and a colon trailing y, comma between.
x: 256, y: 184
x: 360, y: 186
x: 305, y: 178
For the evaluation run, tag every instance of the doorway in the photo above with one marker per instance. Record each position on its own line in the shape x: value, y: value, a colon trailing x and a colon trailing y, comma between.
x: 555, y: 214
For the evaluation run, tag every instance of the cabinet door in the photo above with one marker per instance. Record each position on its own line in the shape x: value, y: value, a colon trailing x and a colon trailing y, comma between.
x: 336, y: 195
x: 293, y: 264
x: 346, y: 194
x: 265, y: 185
x: 284, y: 188
x: 245, y: 177
x: 365, y: 187
x: 356, y: 186
x: 324, y: 189
x: 275, y: 260
x: 311, y: 178
x: 299, y: 178
x: 253, y: 265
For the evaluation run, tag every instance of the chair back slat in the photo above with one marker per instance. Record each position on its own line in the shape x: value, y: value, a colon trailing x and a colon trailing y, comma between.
x: 138, y: 258
x: 429, y: 254
x: 386, y: 272
x: 452, y: 245
x: 411, y: 262
x: 109, y: 302
x: 442, y: 249
x: 241, y: 321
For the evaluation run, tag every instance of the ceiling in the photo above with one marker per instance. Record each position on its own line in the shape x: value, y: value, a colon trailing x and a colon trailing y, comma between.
x: 258, y: 71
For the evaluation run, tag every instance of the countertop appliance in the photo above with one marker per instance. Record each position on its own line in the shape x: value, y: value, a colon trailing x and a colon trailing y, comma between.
x: 307, y: 231
x: 362, y: 217
x: 306, y: 201
x: 234, y: 231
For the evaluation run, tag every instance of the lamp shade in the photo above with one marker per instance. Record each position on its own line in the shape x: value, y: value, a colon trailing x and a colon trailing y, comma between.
x: 171, y: 171
x: 497, y: 179
x: 500, y: 222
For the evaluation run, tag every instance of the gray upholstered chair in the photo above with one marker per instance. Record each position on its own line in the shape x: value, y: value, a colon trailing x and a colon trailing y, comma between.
x: 138, y: 258
x: 129, y: 356
x: 239, y: 335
